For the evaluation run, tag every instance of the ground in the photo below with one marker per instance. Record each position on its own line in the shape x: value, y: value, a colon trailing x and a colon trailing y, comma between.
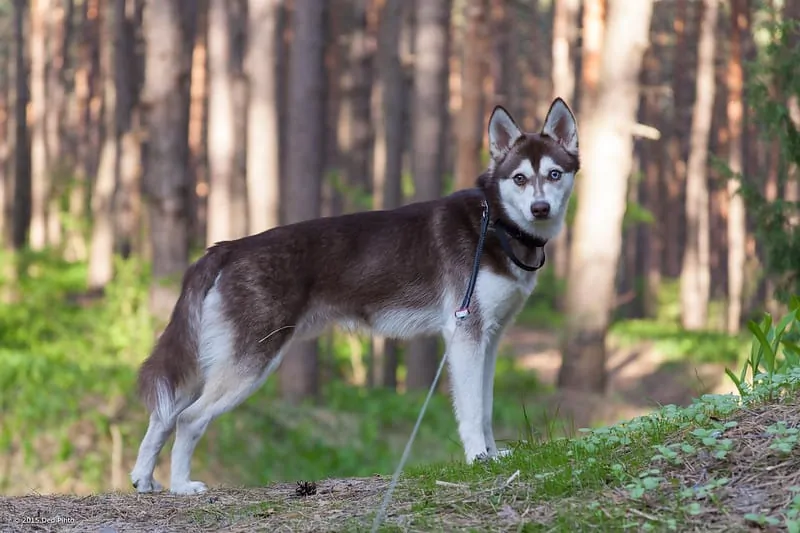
x: 710, y: 468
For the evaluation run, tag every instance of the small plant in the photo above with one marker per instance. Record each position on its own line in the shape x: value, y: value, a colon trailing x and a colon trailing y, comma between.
x: 773, y: 353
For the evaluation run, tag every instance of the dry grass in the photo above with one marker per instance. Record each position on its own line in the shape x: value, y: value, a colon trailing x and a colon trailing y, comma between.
x: 276, y: 508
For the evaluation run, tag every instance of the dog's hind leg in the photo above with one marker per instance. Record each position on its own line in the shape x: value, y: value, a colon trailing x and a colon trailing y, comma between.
x: 226, y: 387
x: 152, y: 443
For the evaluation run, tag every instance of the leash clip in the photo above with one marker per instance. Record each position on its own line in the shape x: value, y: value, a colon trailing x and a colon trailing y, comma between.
x: 462, y: 313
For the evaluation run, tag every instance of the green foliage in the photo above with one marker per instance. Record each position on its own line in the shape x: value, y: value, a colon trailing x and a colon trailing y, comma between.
x: 675, y: 343
x: 773, y: 79
x: 774, y: 352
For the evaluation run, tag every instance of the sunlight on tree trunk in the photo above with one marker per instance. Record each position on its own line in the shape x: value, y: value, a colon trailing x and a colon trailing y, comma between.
x: 695, y: 272
x: 737, y: 222
x: 263, y: 143
x: 101, y: 255
x: 221, y: 126
x: 40, y: 178
x: 605, y: 134
x: 299, y: 374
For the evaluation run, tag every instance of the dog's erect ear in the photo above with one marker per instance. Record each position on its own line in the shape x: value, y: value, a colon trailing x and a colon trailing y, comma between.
x: 560, y: 125
x: 503, y: 133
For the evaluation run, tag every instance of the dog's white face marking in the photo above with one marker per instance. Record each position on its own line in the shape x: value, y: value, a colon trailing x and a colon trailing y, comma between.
x: 540, y: 186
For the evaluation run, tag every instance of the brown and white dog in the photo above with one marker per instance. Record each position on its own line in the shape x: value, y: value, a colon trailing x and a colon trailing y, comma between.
x: 398, y: 273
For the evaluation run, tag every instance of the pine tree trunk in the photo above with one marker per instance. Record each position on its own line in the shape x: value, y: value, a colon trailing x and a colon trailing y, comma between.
x: 101, y: 255
x: 695, y: 271
x: 40, y: 169
x: 304, y: 168
x: 469, y: 133
x: 21, y: 215
x: 6, y: 183
x: 263, y: 142
x: 429, y: 127
x: 221, y: 126
x: 168, y: 28
x: 737, y: 222
x: 602, y: 192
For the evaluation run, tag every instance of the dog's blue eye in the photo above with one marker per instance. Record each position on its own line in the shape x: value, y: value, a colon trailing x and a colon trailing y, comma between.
x: 520, y: 179
x: 555, y: 175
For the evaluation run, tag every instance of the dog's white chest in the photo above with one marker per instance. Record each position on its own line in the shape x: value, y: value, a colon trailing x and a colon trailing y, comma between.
x: 500, y: 296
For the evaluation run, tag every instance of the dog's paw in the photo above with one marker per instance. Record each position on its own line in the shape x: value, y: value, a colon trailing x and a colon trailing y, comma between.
x: 188, y: 488
x: 146, y: 484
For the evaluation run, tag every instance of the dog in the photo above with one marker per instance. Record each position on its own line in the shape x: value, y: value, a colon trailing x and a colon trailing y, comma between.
x: 399, y: 273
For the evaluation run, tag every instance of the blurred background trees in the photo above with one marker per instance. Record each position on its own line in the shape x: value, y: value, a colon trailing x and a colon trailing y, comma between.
x: 134, y: 133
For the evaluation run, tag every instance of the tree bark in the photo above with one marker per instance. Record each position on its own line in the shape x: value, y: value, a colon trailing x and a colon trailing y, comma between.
x: 40, y: 177
x: 597, y: 231
x: 653, y: 234
x: 127, y: 201
x: 695, y: 271
x: 101, y: 255
x: 168, y: 27
x: 21, y: 215
x: 6, y: 184
x: 429, y: 127
x: 470, y: 119
x: 737, y: 222
x: 388, y: 94
x: 263, y: 142
x: 594, y: 16
x: 304, y: 167
x: 221, y: 126
x: 354, y: 131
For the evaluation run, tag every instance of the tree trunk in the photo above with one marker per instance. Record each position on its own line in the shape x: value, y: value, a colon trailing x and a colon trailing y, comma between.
x: 21, y: 217
x: 263, y: 142
x: 304, y: 167
x: 470, y: 120
x: 429, y: 123
x: 652, y: 237
x: 565, y: 22
x: 737, y: 222
x: 594, y: 16
x: 674, y: 134
x: 101, y: 255
x: 597, y: 231
x: 695, y: 271
x: 6, y: 184
x: 354, y: 131
x: 221, y: 126
x: 40, y: 177
x: 238, y: 213
x: 387, y: 95
x: 127, y: 202
x: 168, y: 28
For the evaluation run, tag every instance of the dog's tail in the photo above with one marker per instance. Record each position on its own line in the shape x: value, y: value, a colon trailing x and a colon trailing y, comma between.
x: 172, y: 371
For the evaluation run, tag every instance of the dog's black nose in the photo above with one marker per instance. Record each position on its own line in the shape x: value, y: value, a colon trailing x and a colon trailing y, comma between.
x: 540, y: 209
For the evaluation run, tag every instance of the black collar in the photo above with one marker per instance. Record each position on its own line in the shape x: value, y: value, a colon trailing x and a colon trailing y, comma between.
x: 504, y: 230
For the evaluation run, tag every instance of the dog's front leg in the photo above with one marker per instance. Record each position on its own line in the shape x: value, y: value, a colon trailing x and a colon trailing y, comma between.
x: 466, y: 355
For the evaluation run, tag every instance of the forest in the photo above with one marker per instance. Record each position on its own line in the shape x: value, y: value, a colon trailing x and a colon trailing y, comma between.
x: 134, y: 134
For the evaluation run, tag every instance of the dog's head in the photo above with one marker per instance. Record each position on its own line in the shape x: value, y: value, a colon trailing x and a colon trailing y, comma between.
x: 533, y: 173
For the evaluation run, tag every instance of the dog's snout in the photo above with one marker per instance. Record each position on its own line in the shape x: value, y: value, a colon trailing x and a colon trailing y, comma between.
x: 540, y: 209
